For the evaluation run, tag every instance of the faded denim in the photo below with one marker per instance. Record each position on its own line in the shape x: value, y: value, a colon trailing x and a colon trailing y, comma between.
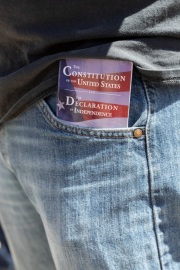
x: 84, y: 199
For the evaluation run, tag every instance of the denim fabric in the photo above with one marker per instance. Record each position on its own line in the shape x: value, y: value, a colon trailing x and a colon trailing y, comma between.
x: 84, y: 199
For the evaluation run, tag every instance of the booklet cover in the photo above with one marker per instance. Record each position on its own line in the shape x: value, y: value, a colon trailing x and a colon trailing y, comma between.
x: 94, y: 92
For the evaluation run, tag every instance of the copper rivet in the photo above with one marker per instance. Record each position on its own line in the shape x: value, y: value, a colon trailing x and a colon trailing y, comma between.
x: 138, y: 133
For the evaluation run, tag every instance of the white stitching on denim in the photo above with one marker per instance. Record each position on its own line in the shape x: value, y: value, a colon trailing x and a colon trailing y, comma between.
x: 84, y: 132
x: 4, y: 152
x: 151, y: 178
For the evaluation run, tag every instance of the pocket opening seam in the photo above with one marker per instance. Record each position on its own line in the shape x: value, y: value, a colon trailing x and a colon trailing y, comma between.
x: 97, y: 133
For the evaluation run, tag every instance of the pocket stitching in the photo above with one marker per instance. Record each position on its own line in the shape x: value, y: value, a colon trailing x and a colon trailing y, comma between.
x: 49, y: 116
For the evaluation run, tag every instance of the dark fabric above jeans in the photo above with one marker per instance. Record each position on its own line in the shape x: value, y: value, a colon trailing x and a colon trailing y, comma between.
x: 34, y: 35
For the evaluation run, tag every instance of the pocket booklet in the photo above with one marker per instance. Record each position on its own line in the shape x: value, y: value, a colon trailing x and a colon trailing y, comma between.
x: 94, y: 93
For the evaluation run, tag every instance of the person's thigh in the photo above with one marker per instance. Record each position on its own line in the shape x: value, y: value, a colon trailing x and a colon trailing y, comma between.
x: 163, y: 150
x: 21, y: 223
x: 105, y: 196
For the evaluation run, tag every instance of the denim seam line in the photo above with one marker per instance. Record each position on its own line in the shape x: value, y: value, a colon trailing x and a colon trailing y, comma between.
x: 4, y: 152
x: 98, y: 134
x: 151, y: 178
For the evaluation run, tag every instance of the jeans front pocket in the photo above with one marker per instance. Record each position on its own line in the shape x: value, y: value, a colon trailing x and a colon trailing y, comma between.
x: 137, y: 115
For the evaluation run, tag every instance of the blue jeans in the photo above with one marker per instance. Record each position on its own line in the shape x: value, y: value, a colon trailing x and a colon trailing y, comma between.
x: 84, y: 199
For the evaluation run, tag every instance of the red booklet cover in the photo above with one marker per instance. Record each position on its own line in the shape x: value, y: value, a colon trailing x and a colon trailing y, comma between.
x: 94, y: 92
